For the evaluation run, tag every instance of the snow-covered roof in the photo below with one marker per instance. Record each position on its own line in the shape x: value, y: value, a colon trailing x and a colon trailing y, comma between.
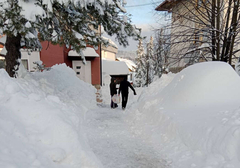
x: 131, y: 65
x: 88, y: 52
x: 3, y: 51
x: 114, y: 67
x: 111, y: 43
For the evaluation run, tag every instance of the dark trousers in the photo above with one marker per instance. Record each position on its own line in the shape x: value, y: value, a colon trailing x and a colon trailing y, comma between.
x: 124, y: 100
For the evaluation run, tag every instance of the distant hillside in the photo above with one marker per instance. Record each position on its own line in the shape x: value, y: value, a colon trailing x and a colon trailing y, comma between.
x: 131, y: 55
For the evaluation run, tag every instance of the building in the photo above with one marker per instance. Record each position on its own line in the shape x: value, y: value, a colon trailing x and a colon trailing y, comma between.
x: 177, y: 59
x: 111, y: 66
x: 115, y: 69
x: 198, y: 33
x: 109, y: 52
x: 56, y: 54
x: 99, y: 67
x: 131, y: 67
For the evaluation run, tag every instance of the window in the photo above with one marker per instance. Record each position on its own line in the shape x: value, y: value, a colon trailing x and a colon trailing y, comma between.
x: 78, y: 73
x: 25, y: 63
x: 78, y: 67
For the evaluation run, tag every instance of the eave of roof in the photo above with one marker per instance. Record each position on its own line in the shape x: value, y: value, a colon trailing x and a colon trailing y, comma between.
x: 87, y: 52
x: 166, y: 5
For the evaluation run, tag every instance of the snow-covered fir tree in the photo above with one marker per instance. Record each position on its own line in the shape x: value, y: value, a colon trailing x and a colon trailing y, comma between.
x: 140, y: 60
x: 161, y: 53
x: 149, y: 62
x: 64, y: 22
x: 158, y: 60
x: 160, y: 56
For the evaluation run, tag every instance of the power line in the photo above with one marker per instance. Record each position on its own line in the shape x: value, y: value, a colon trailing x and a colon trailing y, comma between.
x: 152, y: 3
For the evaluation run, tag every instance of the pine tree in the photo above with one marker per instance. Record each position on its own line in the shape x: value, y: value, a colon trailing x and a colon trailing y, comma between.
x: 161, y: 53
x: 158, y: 59
x: 140, y: 71
x: 70, y: 23
x: 149, y: 62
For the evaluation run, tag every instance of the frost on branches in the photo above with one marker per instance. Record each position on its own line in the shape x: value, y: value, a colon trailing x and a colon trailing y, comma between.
x: 145, y: 64
x: 140, y: 71
x: 63, y: 22
x: 150, y: 62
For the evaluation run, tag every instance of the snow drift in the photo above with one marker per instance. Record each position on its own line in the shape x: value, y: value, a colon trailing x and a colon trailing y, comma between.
x: 41, y: 119
x: 203, y: 85
x: 195, y: 120
x: 185, y: 120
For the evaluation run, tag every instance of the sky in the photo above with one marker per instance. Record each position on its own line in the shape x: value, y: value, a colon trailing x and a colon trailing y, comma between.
x: 186, y: 120
x: 143, y: 16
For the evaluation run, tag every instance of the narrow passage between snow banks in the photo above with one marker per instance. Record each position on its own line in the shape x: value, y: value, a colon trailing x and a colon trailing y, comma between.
x: 111, y: 139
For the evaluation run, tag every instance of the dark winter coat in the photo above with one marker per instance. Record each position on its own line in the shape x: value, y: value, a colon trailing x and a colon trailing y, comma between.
x: 124, y: 87
x: 113, y: 89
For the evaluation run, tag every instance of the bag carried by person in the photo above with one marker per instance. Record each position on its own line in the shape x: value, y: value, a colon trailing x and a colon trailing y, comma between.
x: 116, y: 99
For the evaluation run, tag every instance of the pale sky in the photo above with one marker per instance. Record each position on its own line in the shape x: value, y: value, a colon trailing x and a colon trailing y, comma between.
x: 143, y: 16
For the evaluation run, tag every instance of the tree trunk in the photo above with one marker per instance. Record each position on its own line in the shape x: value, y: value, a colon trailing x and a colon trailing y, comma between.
x: 236, y: 9
x: 218, y: 29
x: 232, y: 31
x: 213, y: 30
x: 13, y: 54
x: 226, y: 30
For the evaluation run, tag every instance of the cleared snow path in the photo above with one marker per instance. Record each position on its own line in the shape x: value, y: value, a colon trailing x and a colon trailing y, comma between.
x: 114, y: 143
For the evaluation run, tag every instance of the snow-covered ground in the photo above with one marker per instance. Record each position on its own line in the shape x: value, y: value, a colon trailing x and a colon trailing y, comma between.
x: 51, y: 119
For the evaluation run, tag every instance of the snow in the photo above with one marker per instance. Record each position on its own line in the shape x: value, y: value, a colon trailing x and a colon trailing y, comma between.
x: 131, y: 65
x: 110, y: 67
x: 87, y: 52
x: 3, y: 39
x: 3, y: 51
x: 185, y: 120
x: 111, y: 43
x: 30, y: 10
x: 114, y: 67
x: 41, y: 118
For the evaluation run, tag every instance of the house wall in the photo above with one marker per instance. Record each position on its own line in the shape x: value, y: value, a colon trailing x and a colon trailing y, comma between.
x: 178, y: 50
x: 109, y: 52
x: 96, y: 69
x: 55, y: 54
x: 51, y: 54
x: 30, y: 58
x: 202, y: 36
x: 108, y: 55
x: 83, y: 71
x: 67, y: 61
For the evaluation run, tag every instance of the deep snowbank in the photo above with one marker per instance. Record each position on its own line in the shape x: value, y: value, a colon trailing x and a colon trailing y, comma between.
x: 41, y: 118
x: 191, y: 119
x: 203, y: 85
x: 195, y: 120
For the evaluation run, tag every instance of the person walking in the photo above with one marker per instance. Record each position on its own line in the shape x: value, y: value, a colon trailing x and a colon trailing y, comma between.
x: 113, y: 91
x: 124, y: 91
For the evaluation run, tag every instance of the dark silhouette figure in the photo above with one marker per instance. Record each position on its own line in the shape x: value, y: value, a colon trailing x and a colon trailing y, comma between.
x: 113, y: 91
x: 124, y: 90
